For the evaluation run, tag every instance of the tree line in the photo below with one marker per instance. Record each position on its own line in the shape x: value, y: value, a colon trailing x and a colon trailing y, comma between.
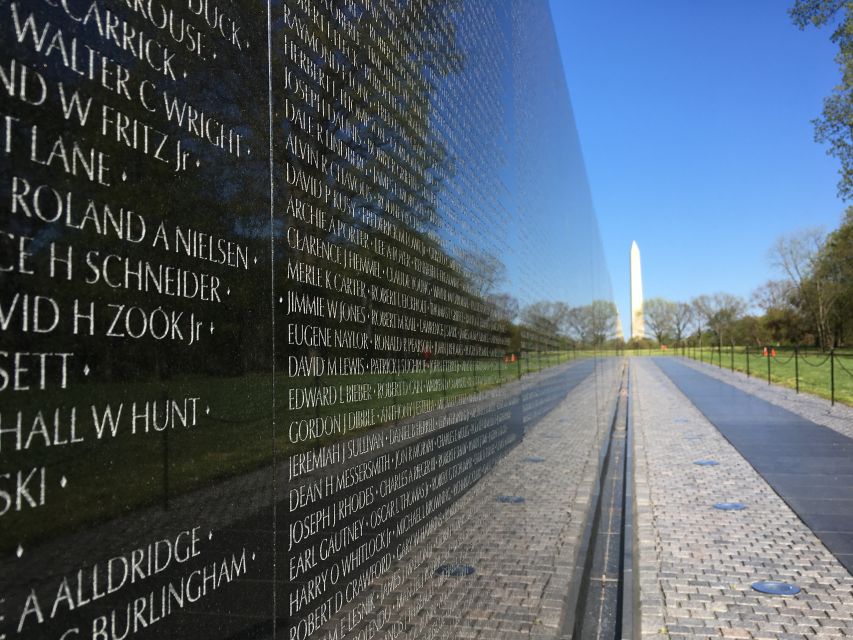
x: 811, y: 304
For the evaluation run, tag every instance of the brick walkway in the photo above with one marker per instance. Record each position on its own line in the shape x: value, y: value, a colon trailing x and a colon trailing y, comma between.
x: 696, y: 563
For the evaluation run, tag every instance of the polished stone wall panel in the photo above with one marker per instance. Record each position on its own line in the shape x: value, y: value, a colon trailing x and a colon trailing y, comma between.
x: 279, y: 283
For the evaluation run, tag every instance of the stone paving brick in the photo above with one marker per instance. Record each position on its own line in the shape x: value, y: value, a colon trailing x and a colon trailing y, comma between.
x: 692, y: 556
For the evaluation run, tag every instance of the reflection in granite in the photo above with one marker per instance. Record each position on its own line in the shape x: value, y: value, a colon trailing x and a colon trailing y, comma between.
x: 281, y: 284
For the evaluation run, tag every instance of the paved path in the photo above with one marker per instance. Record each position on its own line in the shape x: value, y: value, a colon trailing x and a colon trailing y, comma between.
x: 696, y: 563
x: 838, y: 417
x: 809, y: 465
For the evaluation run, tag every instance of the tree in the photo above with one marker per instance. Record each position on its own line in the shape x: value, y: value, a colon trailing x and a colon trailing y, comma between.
x: 592, y: 324
x: 504, y: 307
x: 749, y: 330
x: 603, y: 314
x: 774, y: 294
x: 483, y: 270
x: 797, y: 255
x: 719, y: 313
x: 543, y: 317
x: 834, y: 268
x: 658, y: 314
x: 575, y: 323
x: 782, y: 320
x: 682, y: 318
x: 833, y: 126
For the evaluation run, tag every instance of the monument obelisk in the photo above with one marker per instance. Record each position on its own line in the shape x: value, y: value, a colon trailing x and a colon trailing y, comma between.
x: 638, y: 329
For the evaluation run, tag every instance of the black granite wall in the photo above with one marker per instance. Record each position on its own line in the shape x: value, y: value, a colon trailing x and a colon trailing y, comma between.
x: 279, y: 282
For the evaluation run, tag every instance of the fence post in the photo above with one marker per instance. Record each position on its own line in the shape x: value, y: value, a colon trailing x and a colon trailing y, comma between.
x: 733, y: 357
x: 747, y: 361
x: 797, y: 367
x: 768, y: 364
x: 832, y: 374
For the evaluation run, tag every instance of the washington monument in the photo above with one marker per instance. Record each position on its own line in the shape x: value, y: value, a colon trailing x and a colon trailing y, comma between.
x: 638, y: 329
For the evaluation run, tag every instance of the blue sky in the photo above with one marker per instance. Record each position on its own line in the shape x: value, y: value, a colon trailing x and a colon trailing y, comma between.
x: 695, y: 121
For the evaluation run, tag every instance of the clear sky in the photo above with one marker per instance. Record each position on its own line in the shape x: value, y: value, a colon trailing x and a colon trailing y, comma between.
x: 695, y: 121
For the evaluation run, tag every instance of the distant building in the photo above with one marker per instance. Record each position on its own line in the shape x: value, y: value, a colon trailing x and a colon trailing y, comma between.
x: 638, y: 327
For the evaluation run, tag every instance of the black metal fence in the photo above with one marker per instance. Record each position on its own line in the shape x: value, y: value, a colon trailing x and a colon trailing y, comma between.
x: 825, y: 373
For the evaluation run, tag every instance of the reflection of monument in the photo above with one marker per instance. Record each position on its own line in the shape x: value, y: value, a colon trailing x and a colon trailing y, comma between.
x: 637, y: 324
